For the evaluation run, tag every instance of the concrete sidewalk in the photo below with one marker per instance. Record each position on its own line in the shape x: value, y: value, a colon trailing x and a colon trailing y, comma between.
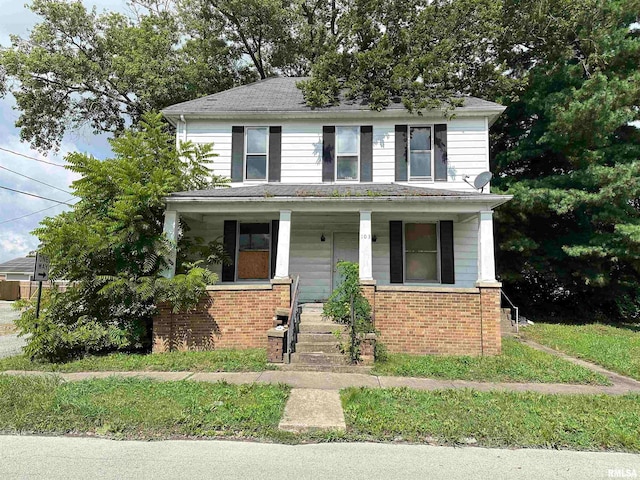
x: 337, y: 381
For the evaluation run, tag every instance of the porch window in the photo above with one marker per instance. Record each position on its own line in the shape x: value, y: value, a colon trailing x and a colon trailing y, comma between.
x: 253, y: 251
x: 347, y: 153
x: 421, y: 252
x: 256, y: 158
x: 420, y: 153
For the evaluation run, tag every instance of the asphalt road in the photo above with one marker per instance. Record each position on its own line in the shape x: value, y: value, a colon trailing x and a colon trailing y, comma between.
x: 86, y: 458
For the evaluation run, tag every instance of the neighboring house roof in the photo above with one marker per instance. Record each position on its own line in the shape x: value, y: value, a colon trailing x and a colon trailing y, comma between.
x: 18, y: 265
x: 280, y: 95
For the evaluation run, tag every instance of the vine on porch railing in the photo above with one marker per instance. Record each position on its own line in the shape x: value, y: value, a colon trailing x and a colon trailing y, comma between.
x: 294, y: 319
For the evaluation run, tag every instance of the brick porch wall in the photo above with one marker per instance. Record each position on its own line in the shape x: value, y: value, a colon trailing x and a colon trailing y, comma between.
x: 233, y: 317
x: 437, y: 320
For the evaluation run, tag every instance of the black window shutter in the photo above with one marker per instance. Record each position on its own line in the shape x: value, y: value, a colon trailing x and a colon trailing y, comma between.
x: 229, y: 242
x: 401, y: 153
x: 440, y: 142
x: 328, y: 153
x: 237, y: 154
x: 366, y: 153
x: 275, y: 152
x: 396, y: 256
x: 447, y: 268
x: 275, y: 227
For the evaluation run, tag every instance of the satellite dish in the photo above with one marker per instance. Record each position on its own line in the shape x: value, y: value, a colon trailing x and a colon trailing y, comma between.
x: 482, y: 179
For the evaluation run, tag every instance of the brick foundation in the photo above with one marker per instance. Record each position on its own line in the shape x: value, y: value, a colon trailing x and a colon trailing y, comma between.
x: 437, y: 321
x: 228, y: 317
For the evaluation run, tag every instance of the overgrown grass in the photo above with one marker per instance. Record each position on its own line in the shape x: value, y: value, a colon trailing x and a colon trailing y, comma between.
x: 214, y: 361
x: 582, y: 422
x: 615, y: 348
x: 517, y: 363
x: 135, y: 408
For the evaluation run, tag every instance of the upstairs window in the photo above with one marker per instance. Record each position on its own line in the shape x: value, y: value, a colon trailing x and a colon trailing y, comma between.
x: 256, y: 158
x: 420, y: 148
x: 253, y: 251
x: 347, y: 153
x: 421, y: 252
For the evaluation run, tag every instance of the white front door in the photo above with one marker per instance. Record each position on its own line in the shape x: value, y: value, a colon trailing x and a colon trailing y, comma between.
x: 345, y: 248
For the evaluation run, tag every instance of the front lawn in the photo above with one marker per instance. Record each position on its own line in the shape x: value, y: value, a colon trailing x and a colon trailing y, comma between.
x: 494, y: 419
x: 214, y: 361
x: 135, y: 408
x: 615, y: 348
x: 517, y: 363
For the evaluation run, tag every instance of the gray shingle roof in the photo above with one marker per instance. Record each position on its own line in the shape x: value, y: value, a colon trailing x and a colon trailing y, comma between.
x: 269, y: 190
x: 280, y: 95
x: 18, y: 265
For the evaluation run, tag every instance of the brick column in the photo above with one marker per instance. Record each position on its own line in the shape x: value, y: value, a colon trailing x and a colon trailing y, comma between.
x: 490, y: 317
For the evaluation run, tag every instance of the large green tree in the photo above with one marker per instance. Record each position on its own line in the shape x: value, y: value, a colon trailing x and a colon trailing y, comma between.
x: 78, y: 67
x: 422, y: 52
x: 277, y: 36
x: 111, y: 247
x: 569, y: 242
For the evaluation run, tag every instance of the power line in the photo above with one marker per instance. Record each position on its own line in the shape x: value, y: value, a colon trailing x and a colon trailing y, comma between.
x: 35, y: 180
x: 32, y: 213
x: 31, y: 158
x: 34, y: 195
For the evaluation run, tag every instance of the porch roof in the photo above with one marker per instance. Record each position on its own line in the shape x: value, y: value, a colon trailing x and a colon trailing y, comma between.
x: 362, y: 190
x: 373, y: 195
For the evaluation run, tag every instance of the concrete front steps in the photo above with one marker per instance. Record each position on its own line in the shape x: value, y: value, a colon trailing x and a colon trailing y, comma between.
x: 317, y: 348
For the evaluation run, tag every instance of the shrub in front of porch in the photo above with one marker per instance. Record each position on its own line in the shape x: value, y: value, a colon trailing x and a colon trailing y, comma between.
x: 111, y: 248
x: 348, y: 306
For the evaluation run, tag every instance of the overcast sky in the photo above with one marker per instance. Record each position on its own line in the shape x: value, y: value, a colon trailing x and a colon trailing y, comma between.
x: 15, y: 237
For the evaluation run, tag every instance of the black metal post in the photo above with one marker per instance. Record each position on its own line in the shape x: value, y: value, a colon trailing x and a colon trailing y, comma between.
x: 38, y: 300
x: 353, y: 331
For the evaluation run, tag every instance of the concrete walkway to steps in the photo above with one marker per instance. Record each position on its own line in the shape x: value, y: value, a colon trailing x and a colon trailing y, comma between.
x: 337, y: 381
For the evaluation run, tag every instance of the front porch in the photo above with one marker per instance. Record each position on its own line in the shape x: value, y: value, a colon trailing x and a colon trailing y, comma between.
x: 426, y: 266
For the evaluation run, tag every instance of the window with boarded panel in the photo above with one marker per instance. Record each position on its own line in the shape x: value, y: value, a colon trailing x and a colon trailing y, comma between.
x: 253, y: 251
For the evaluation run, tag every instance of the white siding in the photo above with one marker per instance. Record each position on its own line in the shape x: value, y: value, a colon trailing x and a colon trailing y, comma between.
x: 467, y: 140
x: 301, y: 153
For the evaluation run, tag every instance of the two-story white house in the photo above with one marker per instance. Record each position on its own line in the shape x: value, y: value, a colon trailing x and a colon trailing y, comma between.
x: 390, y: 190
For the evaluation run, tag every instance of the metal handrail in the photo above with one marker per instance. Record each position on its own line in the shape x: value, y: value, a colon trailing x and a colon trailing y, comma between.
x: 514, y: 308
x: 294, y: 319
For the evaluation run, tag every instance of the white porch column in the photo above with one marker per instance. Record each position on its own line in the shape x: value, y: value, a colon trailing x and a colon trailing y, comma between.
x: 284, y: 244
x: 486, y: 259
x: 171, y: 225
x: 365, y: 258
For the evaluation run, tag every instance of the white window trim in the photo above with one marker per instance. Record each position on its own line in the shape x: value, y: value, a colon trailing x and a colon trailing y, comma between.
x: 431, y: 178
x: 255, y: 280
x: 335, y: 167
x: 438, y: 281
x: 247, y: 153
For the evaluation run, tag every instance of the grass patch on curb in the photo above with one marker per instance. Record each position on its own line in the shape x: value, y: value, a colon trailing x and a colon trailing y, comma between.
x: 517, y: 363
x: 494, y: 419
x: 254, y: 360
x: 615, y: 348
x: 135, y: 408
